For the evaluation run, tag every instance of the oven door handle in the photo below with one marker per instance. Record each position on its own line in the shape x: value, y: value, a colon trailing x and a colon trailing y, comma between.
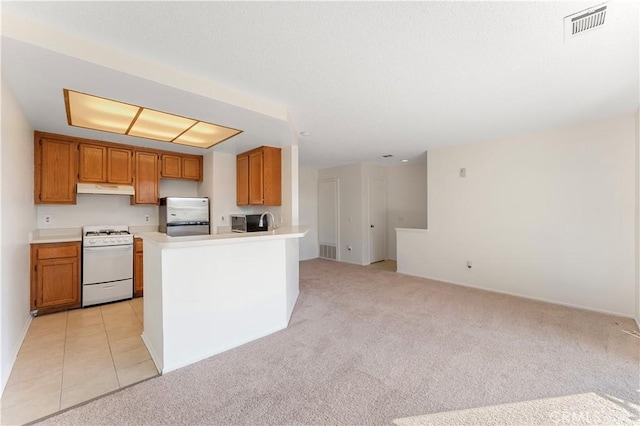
x: 109, y: 248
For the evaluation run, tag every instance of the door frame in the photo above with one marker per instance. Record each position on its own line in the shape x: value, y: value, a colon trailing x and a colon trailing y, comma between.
x: 384, y: 209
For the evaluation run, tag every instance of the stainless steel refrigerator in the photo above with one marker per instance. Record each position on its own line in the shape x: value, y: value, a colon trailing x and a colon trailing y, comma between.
x: 180, y: 216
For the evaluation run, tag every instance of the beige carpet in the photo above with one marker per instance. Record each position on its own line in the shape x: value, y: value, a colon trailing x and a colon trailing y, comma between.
x: 367, y: 346
x: 583, y: 409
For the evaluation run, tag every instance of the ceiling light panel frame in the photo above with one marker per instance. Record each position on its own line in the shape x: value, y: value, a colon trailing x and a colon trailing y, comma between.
x: 108, y: 115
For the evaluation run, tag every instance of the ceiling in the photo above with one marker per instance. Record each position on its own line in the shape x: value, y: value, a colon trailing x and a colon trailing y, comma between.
x: 363, y: 78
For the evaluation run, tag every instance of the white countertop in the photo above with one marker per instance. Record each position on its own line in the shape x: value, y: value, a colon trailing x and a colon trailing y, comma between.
x: 137, y: 230
x: 60, y: 235
x: 165, y: 241
x: 64, y: 235
x: 411, y: 229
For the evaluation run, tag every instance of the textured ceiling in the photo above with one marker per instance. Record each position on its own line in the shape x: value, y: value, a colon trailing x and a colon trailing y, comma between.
x: 371, y: 78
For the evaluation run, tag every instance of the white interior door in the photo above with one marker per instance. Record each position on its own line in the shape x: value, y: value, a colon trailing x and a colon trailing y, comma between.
x: 328, y: 231
x: 377, y: 220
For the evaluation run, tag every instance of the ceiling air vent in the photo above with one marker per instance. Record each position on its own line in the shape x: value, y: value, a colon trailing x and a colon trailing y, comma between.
x: 583, y: 21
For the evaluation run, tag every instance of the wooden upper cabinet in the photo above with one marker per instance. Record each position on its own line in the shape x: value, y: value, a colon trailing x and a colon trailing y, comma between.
x: 256, y: 178
x: 192, y: 168
x: 105, y: 164
x: 63, y: 161
x: 55, y: 170
x: 272, y: 176
x: 146, y: 178
x: 119, y: 166
x: 93, y: 163
x: 176, y: 166
x: 171, y: 166
x: 259, y: 175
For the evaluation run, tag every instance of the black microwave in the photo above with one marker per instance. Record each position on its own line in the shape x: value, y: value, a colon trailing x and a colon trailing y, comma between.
x: 248, y: 223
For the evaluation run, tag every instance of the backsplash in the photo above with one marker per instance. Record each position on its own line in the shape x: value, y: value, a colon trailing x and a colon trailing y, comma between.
x: 94, y: 209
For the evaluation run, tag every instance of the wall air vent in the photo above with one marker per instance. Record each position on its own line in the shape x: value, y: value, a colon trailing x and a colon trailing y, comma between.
x: 584, y: 21
x: 328, y: 251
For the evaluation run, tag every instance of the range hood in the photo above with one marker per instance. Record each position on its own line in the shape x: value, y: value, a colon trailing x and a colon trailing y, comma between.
x: 104, y: 188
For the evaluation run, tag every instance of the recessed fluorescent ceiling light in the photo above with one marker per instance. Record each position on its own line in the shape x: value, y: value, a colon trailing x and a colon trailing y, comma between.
x: 94, y: 112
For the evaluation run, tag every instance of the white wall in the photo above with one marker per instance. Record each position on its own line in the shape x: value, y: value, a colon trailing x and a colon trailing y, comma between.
x: 308, y: 199
x: 224, y: 194
x: 17, y: 219
x: 205, y: 188
x: 92, y: 209
x: 290, y: 201
x: 546, y: 216
x: 406, y: 200
x: 638, y: 218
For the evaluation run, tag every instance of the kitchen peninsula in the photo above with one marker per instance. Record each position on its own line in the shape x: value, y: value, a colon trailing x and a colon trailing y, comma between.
x: 210, y: 293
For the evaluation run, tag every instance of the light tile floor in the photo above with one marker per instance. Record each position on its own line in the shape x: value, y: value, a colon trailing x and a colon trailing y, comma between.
x: 387, y: 265
x: 71, y: 357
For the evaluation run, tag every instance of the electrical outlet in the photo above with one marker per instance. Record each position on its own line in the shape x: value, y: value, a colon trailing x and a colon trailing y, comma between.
x: 469, y: 264
x: 47, y: 219
x: 222, y: 218
x: 147, y: 218
x: 463, y: 172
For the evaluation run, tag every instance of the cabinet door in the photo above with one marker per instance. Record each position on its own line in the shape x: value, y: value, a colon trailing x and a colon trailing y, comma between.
x: 55, y: 171
x: 93, y: 163
x: 256, y: 178
x: 57, y: 282
x: 272, y: 172
x: 191, y: 168
x: 119, y: 166
x: 171, y: 166
x: 138, y: 275
x: 147, y: 178
x: 242, y: 181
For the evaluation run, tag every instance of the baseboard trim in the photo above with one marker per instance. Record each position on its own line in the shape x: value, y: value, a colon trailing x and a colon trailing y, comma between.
x: 523, y: 296
x: 152, y: 352
x: 16, y: 349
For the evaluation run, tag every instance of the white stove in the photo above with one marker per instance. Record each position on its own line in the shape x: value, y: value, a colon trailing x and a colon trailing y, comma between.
x: 95, y: 236
x: 107, y: 264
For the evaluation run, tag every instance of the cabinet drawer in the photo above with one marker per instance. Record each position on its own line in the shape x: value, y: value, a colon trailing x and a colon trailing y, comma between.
x: 51, y: 251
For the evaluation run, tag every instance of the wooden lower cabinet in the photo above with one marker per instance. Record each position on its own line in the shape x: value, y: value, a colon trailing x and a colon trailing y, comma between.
x: 55, y: 277
x: 138, y: 271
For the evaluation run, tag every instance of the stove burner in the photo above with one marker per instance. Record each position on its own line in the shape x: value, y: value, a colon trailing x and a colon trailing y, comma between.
x: 105, y: 233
